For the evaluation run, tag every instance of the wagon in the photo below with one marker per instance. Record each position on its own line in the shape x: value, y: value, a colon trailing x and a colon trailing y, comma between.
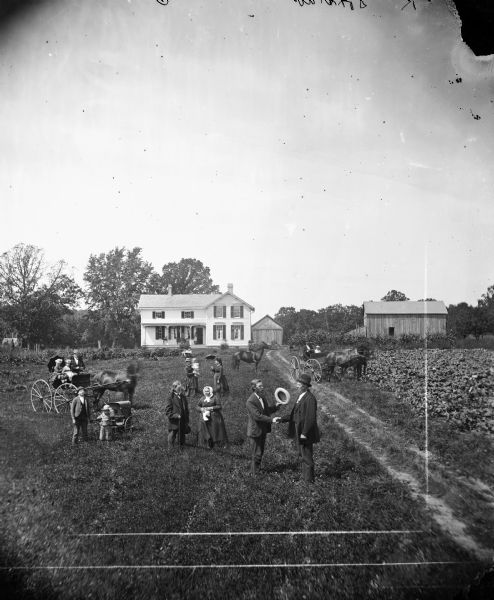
x: 47, y: 395
x: 52, y: 394
x: 307, y: 363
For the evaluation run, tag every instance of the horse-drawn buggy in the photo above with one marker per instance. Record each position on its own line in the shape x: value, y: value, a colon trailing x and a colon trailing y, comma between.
x: 322, y: 365
x: 57, y: 391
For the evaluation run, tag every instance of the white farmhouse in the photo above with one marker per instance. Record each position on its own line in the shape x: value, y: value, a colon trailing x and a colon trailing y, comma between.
x: 201, y: 319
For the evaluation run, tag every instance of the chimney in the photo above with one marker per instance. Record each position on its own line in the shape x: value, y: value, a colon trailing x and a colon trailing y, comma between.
x: 170, y: 289
x: 230, y: 288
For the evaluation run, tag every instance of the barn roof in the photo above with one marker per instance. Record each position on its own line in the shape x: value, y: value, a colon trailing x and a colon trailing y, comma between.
x: 267, y: 321
x: 406, y: 307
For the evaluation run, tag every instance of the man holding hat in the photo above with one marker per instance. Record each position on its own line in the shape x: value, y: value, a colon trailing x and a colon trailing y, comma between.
x: 259, y: 422
x: 80, y: 413
x: 302, y: 426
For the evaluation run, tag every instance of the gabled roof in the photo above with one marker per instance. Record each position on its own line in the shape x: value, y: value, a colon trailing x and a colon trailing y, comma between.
x: 266, y: 319
x: 198, y: 301
x: 239, y: 300
x: 177, y: 300
x: 405, y: 307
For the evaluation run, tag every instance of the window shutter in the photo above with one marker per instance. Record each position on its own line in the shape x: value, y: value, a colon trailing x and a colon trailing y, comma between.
x: 232, y: 333
x: 183, y: 314
x: 192, y: 315
x: 214, y: 332
x: 224, y: 312
x: 241, y: 332
x: 242, y: 314
x: 157, y: 333
x: 231, y: 312
x: 154, y: 315
x: 224, y: 332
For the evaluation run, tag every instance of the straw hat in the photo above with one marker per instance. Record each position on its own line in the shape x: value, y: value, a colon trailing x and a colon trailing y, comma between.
x: 282, y: 395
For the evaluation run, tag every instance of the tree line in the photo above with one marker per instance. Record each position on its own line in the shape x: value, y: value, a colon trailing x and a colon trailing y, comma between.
x: 40, y: 303
x: 320, y: 325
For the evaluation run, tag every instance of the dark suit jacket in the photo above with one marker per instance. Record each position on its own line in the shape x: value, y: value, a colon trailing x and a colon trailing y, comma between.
x: 76, y: 407
x: 259, y: 421
x: 80, y: 366
x: 177, y: 405
x: 303, y: 419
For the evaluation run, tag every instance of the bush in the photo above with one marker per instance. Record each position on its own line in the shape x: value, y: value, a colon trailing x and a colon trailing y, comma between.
x: 224, y: 346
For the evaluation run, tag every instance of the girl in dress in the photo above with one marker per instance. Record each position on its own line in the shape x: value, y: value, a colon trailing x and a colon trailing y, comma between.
x: 212, y: 430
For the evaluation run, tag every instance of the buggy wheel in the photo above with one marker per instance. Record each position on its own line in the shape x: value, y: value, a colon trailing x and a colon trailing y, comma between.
x: 313, y: 366
x: 41, y: 396
x: 294, y: 367
x: 64, y: 394
x: 130, y: 423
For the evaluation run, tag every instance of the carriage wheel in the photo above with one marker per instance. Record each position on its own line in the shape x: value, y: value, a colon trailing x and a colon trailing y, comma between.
x: 64, y: 394
x: 313, y: 366
x: 41, y: 396
x: 130, y: 423
x: 294, y: 367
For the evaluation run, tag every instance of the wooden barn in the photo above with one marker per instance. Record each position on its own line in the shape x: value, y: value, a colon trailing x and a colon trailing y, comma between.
x: 394, y: 319
x: 267, y: 330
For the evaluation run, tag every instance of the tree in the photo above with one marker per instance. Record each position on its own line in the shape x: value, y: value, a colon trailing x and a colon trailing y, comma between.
x: 460, y: 319
x: 340, y: 319
x: 394, y: 295
x: 486, y: 306
x: 34, y: 294
x: 188, y: 276
x: 427, y: 300
x: 115, y: 281
x: 287, y: 318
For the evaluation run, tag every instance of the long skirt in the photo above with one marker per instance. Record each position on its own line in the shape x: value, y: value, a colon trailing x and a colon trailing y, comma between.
x: 220, y: 384
x: 212, y: 431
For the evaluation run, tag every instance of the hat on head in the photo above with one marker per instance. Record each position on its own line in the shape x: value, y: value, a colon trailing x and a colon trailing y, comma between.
x: 106, y: 407
x: 80, y: 388
x: 59, y: 360
x: 305, y: 379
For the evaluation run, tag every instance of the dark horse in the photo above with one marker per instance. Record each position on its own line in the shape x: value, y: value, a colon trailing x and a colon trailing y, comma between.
x: 115, y: 381
x: 249, y: 356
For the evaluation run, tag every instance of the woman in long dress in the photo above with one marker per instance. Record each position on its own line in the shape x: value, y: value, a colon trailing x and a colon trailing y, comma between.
x: 220, y: 384
x: 212, y: 430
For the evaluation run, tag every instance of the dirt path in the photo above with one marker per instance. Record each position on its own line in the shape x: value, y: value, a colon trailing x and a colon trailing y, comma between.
x: 455, y: 503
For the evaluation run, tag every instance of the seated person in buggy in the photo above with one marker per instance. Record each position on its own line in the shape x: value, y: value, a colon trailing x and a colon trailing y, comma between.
x: 308, y: 349
x: 67, y: 372
x: 55, y: 366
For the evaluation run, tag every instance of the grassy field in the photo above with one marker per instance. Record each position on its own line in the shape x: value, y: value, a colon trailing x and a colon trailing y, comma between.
x: 368, y: 538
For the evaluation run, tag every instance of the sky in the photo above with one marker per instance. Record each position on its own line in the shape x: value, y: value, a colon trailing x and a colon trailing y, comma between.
x: 310, y: 155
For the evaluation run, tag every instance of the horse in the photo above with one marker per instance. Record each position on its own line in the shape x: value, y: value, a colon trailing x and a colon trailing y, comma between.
x: 355, y: 358
x: 116, y: 381
x: 249, y: 356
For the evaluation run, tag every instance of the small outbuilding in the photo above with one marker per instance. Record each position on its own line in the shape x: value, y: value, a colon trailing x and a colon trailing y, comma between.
x: 267, y: 330
x: 405, y: 317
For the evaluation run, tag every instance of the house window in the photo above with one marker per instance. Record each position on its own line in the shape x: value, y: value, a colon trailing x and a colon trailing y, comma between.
x: 237, y: 332
x: 187, y: 314
x: 237, y: 311
x: 391, y: 331
x: 161, y: 333
x: 220, y: 312
x: 219, y: 332
x: 158, y: 314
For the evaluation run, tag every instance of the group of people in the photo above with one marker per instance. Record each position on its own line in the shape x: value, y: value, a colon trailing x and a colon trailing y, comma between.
x: 192, y: 373
x: 64, y: 369
x: 302, y: 421
x: 302, y: 418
